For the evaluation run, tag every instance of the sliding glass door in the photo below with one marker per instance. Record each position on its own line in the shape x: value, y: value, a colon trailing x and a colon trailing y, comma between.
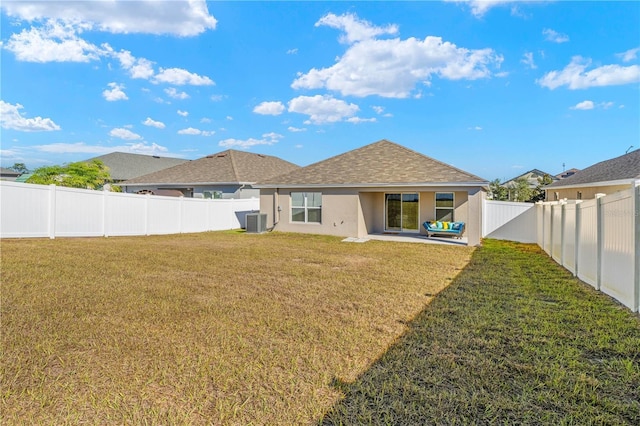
x: 401, y: 212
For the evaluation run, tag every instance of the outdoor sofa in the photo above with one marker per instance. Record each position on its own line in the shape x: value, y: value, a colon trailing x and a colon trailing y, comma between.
x: 455, y: 229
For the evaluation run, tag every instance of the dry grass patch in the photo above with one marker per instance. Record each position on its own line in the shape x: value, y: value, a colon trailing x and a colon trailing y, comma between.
x: 214, y: 328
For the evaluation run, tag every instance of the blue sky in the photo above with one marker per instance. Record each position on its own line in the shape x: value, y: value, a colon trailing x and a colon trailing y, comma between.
x: 495, y: 88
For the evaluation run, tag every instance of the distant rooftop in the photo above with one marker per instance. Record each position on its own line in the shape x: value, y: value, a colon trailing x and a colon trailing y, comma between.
x: 616, y: 169
x: 124, y: 166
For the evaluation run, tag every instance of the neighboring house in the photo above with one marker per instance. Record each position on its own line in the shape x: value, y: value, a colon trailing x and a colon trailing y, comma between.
x: 379, y: 188
x: 227, y: 174
x: 605, y: 177
x: 123, y: 165
x: 8, y: 174
x: 531, y: 176
x: 567, y: 173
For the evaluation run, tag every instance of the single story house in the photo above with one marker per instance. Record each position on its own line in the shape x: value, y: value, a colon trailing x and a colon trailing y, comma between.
x: 8, y: 174
x: 124, y: 165
x: 531, y: 176
x: 605, y: 177
x: 227, y: 174
x: 379, y: 188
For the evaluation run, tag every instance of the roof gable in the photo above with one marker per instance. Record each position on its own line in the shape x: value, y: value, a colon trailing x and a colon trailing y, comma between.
x: 382, y: 162
x: 625, y: 167
x: 228, y: 166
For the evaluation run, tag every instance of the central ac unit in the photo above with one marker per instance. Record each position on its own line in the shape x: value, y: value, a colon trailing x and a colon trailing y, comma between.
x: 256, y: 223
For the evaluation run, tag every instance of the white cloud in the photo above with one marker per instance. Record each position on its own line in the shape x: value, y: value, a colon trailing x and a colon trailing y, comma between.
x: 480, y: 7
x: 123, y: 133
x: 378, y: 109
x: 477, y: 128
x: 358, y: 120
x: 182, y: 113
x: 177, y: 17
x: 574, y: 76
x: 173, y: 93
x: 152, y: 123
x: 292, y: 51
x: 83, y: 148
x: 354, y: 28
x: 137, y: 67
x: 629, y: 55
x: 116, y: 93
x: 296, y: 129
x: 272, y: 135
x: 554, y: 36
x: 205, y: 120
x: 195, y: 132
x: 229, y: 118
x: 587, y: 105
x: 53, y: 42
x: 269, y: 108
x: 322, y: 109
x: 180, y: 77
x: 11, y: 118
x: 392, y: 68
x: 528, y: 60
x: 246, y: 143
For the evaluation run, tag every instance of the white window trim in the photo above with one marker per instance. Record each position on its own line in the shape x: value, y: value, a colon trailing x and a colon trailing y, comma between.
x: 305, y: 207
x: 452, y: 208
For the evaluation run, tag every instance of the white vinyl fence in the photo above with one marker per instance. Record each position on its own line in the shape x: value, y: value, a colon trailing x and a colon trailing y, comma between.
x: 598, y: 240
x: 28, y: 210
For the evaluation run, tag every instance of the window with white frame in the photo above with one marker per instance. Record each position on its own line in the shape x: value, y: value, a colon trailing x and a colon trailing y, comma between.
x: 444, y: 206
x: 306, y: 207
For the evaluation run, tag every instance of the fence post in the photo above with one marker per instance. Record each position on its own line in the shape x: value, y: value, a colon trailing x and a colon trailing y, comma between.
x: 636, y: 274
x: 52, y: 211
x: 599, y: 239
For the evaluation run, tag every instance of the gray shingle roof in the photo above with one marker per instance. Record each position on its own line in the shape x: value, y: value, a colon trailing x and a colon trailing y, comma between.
x: 229, y: 166
x: 382, y: 162
x: 123, y: 165
x: 620, y: 168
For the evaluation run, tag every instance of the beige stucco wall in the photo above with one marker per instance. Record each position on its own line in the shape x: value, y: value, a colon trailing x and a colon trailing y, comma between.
x: 341, y: 212
x: 353, y: 213
x: 587, y: 192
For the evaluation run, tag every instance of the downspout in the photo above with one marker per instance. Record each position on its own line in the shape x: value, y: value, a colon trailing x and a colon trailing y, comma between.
x: 276, y: 209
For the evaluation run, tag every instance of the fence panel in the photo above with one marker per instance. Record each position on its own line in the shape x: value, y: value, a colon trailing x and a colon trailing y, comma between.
x: 569, y: 237
x: 195, y: 215
x: 546, y: 226
x: 588, y: 240
x: 25, y: 210
x: 505, y: 220
x: 125, y: 214
x: 617, y: 275
x: 29, y: 210
x: 556, y: 232
x: 78, y: 213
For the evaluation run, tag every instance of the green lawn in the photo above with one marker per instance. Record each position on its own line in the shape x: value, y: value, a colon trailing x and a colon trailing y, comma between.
x: 282, y: 329
x: 514, y: 340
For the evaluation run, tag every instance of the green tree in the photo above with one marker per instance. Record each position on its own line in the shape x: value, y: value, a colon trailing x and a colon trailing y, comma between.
x: 521, y: 190
x: 20, y: 168
x: 538, y: 192
x: 93, y: 175
x: 497, y: 191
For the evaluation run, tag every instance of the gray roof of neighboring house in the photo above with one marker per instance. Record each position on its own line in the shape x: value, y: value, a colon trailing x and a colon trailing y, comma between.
x: 229, y: 167
x: 625, y: 167
x: 8, y: 172
x: 123, y: 165
x: 531, y: 176
x: 380, y: 163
